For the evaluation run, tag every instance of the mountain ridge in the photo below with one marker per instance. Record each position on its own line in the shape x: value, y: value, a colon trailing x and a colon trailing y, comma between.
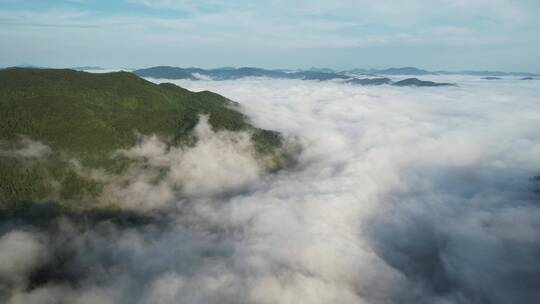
x: 407, y: 70
x: 230, y: 73
x: 52, y: 117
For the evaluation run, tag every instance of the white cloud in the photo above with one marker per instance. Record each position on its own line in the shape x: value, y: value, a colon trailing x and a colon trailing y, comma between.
x: 401, y: 195
x: 219, y: 163
x: 212, y: 33
x: 20, y: 253
x: 24, y: 147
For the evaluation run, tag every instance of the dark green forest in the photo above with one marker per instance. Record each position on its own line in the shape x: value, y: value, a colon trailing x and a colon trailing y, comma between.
x: 88, y: 117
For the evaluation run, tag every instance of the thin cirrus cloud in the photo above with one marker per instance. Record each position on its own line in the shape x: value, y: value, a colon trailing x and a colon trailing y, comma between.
x: 340, y: 34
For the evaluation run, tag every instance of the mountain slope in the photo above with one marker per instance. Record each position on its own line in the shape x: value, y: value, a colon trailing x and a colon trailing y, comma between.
x: 88, y: 117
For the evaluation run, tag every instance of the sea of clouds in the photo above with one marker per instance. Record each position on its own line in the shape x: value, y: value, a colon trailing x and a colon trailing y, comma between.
x: 399, y: 195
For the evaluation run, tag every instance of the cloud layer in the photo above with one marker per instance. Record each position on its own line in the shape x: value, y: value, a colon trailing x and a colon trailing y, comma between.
x: 400, y: 195
x: 499, y: 34
x: 220, y: 163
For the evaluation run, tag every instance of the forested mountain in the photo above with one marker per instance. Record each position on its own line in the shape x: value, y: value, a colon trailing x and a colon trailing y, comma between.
x: 55, y: 122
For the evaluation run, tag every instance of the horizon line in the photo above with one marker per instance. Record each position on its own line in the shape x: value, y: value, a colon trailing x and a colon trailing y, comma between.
x: 435, y: 71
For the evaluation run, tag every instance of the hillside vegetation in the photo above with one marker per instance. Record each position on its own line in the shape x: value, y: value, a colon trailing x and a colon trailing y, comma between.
x: 88, y: 117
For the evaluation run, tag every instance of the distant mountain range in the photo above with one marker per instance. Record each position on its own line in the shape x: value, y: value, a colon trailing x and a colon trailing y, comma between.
x: 417, y: 71
x: 408, y: 82
x: 390, y: 71
x: 235, y: 73
x: 167, y: 72
x: 488, y: 73
x: 229, y: 73
x: 314, y: 73
x: 415, y: 82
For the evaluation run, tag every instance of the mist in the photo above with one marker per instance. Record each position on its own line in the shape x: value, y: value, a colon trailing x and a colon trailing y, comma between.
x: 398, y: 195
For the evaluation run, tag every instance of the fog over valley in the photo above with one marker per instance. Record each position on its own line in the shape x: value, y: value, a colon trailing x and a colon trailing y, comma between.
x: 269, y: 152
x: 392, y: 195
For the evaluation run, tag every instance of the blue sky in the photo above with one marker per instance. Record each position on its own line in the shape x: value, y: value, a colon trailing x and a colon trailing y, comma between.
x: 436, y: 34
